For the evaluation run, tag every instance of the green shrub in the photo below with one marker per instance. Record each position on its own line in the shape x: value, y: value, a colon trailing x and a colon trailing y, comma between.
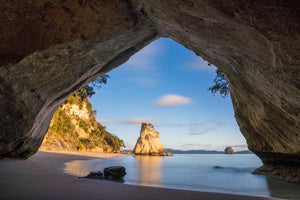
x: 85, y: 142
x: 62, y: 128
x: 71, y: 99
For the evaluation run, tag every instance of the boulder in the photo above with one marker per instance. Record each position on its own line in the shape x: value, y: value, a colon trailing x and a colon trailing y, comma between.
x: 148, y: 143
x: 229, y: 150
x: 218, y: 167
x: 114, y: 173
x: 170, y: 154
x: 95, y: 175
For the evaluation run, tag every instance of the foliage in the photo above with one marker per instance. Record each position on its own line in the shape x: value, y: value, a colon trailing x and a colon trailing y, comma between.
x: 220, y: 85
x: 73, y: 99
x: 114, y: 141
x: 85, y: 142
x: 89, y: 89
x: 111, y: 139
x: 63, y: 132
x: 148, y: 124
x: 61, y: 122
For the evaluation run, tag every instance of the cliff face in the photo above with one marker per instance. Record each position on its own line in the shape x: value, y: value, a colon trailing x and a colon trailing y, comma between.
x: 256, y: 45
x: 74, y: 128
x: 148, y: 143
x: 51, y: 49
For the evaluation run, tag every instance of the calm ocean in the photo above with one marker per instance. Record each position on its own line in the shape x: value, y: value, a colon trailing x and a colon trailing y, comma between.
x: 194, y: 172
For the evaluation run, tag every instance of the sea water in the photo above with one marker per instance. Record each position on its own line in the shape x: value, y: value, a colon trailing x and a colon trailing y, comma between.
x: 200, y: 172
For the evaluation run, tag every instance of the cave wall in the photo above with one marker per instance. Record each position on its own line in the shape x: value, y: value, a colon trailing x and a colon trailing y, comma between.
x: 97, y: 37
x: 256, y: 44
x: 52, y: 49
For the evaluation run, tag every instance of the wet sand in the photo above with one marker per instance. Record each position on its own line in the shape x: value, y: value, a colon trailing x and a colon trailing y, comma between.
x: 42, y: 177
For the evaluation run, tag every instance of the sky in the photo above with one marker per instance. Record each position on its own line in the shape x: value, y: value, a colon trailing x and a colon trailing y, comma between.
x: 167, y: 85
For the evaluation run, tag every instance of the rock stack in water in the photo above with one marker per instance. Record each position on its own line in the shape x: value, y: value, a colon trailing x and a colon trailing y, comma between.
x: 148, y: 143
x: 229, y: 150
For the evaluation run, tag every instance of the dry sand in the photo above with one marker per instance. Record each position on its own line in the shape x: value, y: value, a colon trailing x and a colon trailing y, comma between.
x: 41, y: 177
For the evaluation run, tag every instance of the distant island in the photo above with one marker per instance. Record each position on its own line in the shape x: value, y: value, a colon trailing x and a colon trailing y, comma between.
x: 229, y: 150
x: 204, y: 151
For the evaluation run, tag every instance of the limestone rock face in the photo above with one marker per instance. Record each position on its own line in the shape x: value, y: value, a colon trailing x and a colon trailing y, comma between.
x: 148, y: 143
x: 49, y: 50
x: 74, y: 128
x: 170, y: 154
x: 229, y: 150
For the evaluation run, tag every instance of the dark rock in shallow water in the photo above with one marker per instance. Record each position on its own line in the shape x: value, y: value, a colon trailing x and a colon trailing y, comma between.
x: 96, y: 175
x: 114, y: 173
x: 218, y: 167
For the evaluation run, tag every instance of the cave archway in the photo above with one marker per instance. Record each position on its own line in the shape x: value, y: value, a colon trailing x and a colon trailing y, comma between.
x: 167, y: 85
x: 52, y: 49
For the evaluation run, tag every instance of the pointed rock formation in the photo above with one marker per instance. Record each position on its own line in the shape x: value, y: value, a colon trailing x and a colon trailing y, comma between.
x: 148, y: 143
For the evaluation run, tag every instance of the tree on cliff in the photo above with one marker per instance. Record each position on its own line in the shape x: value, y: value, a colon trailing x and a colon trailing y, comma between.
x: 220, y: 85
x: 74, y: 127
x: 97, y: 83
x: 89, y: 88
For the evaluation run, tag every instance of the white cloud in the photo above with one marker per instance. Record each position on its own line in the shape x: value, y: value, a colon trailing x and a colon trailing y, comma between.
x: 199, y: 128
x: 199, y: 64
x: 144, y: 59
x: 152, y: 49
x: 198, y: 146
x: 141, y: 68
x: 217, y: 122
x: 200, y: 132
x: 239, y: 147
x: 104, y: 121
x: 137, y: 120
x: 172, y: 100
x: 140, y: 63
x: 196, y: 124
x: 130, y: 145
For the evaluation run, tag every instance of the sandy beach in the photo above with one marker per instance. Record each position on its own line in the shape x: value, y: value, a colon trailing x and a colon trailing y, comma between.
x: 42, y: 177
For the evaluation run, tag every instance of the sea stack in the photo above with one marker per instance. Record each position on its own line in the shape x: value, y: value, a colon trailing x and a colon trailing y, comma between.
x: 148, y: 143
x: 229, y: 150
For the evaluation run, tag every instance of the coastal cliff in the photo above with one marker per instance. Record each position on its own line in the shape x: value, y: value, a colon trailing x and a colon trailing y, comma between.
x: 74, y: 128
x: 148, y: 143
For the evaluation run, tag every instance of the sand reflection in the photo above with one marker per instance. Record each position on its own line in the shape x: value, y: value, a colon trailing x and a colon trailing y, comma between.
x: 149, y: 170
x: 79, y: 168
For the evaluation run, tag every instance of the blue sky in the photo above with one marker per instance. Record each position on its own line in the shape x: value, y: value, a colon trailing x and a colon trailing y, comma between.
x: 167, y: 85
